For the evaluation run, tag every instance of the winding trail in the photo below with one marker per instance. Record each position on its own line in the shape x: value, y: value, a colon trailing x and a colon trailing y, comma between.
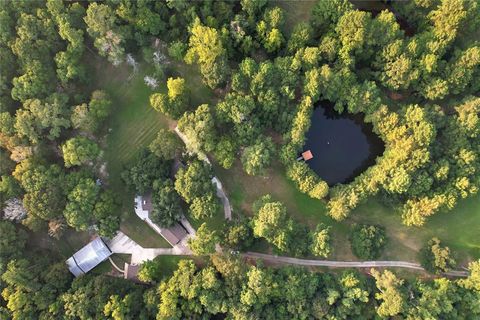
x: 220, y: 191
x: 343, y: 264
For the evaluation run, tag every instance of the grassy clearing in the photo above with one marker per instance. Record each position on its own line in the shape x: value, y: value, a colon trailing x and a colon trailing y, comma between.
x: 295, y: 11
x: 70, y: 242
x: 460, y: 229
x: 214, y: 223
x: 243, y: 190
x: 133, y: 125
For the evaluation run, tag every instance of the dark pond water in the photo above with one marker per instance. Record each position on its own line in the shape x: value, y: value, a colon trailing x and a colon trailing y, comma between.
x: 342, y: 145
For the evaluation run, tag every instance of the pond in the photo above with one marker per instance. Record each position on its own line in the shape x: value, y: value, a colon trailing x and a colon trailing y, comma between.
x: 343, y: 146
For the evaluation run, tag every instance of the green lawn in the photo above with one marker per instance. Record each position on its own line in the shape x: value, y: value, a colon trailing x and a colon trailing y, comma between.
x: 460, y: 228
x: 295, y: 11
x: 133, y: 125
x: 243, y: 190
x: 70, y: 242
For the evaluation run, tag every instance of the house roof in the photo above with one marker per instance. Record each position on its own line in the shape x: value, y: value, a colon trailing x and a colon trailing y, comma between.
x: 88, y: 257
x: 307, y: 155
x: 174, y: 234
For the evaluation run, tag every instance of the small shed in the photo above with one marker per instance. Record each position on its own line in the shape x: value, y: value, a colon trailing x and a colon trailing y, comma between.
x: 307, y: 155
x: 88, y: 257
x: 174, y: 234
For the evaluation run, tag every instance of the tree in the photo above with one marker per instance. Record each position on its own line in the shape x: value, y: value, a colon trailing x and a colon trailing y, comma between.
x: 325, y: 14
x: 128, y: 307
x: 166, y: 208
x: 257, y: 157
x: 238, y: 235
x: 81, y: 203
x: 151, y: 270
x: 320, y: 245
x: 260, y: 288
x: 195, y: 181
x: 145, y: 169
x: 89, y: 118
x: 391, y: 295
x: 175, y: 102
x: 204, y: 207
x: 9, y: 188
x: 12, y: 241
x: 44, y: 186
x: 306, y: 180
x: 106, y: 214
x: 436, y: 258
x: 473, y: 280
x: 199, y: 129
x: 37, y: 81
x: 88, y: 296
x: 78, y: 151
x: 37, y: 119
x: 166, y: 145
x: 204, y: 241
x: 301, y: 36
x: 253, y: 8
x: 32, y: 287
x: 272, y: 223
x: 367, y: 241
x: 225, y: 151
x: 268, y: 29
x: 108, y: 37
x: 206, y: 47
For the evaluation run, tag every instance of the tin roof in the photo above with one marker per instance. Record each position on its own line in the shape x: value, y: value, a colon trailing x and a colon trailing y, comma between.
x: 88, y: 257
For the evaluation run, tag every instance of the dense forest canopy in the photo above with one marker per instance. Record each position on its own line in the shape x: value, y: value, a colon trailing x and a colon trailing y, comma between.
x: 412, y: 70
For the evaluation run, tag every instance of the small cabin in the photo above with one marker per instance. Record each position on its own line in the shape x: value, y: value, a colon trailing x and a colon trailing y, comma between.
x: 307, y: 155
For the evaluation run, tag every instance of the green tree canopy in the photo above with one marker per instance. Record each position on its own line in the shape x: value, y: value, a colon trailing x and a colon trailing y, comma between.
x: 78, y: 151
x: 368, y: 241
x: 204, y: 241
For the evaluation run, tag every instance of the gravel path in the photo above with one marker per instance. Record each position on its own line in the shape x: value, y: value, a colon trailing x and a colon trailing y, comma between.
x: 343, y: 264
x: 220, y: 191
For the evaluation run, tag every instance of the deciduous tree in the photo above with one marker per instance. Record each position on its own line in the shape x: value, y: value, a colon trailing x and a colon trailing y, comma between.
x: 78, y: 151
x: 204, y: 241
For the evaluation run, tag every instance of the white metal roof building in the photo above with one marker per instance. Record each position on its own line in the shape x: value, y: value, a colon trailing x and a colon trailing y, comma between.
x: 88, y: 257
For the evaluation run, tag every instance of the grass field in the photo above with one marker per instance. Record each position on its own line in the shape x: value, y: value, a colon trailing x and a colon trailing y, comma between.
x: 295, y: 11
x: 133, y: 125
x: 459, y: 229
